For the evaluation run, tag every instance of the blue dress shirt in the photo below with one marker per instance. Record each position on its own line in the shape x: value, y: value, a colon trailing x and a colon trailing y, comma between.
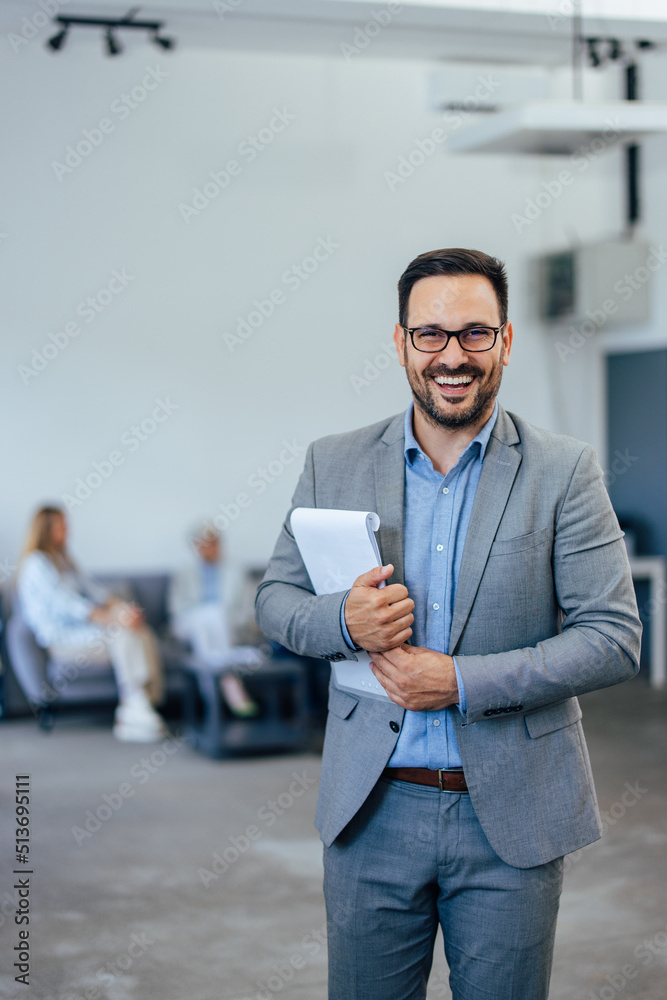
x: 436, y: 516
x: 209, y: 577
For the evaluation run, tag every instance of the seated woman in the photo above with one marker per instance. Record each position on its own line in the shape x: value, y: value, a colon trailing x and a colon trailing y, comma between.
x: 198, y: 616
x: 78, y: 621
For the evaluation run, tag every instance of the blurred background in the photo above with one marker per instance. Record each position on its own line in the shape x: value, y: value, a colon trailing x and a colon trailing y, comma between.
x: 202, y: 228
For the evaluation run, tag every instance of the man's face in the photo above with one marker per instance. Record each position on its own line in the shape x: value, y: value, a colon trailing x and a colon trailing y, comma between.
x: 452, y: 303
x: 209, y: 548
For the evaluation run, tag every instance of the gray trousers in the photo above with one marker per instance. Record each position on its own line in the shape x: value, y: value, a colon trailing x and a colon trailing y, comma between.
x: 413, y: 858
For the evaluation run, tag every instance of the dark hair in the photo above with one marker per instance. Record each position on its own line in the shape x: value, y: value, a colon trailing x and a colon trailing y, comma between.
x: 453, y: 261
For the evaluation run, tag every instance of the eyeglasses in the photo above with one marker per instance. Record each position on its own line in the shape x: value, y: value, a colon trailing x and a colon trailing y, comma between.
x: 431, y: 339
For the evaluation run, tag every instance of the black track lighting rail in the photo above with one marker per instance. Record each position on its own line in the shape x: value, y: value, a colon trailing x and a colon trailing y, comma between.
x: 108, y: 25
x: 106, y: 22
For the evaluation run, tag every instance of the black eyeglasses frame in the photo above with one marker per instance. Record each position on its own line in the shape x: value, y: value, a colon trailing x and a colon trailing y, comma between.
x: 454, y: 333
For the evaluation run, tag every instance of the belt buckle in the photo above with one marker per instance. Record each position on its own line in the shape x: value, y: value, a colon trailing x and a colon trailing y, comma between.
x: 447, y: 770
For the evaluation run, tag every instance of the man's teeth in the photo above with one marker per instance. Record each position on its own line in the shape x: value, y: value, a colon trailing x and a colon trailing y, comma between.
x: 449, y: 380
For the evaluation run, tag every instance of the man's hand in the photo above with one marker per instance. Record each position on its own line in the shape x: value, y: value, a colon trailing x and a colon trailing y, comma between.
x: 417, y: 678
x: 378, y: 618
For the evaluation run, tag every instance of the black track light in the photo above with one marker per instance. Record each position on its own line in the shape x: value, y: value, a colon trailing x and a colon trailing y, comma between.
x: 109, y: 26
x: 593, y: 57
x: 615, y: 49
x: 166, y: 43
x: 113, y: 47
x: 57, y: 41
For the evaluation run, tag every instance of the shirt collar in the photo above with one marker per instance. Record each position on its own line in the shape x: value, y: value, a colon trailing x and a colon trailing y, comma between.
x: 412, y: 449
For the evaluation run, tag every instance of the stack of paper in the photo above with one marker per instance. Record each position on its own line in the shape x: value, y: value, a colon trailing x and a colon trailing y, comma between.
x: 337, y: 546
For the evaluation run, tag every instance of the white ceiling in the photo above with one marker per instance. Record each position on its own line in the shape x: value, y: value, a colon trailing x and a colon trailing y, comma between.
x: 513, y: 31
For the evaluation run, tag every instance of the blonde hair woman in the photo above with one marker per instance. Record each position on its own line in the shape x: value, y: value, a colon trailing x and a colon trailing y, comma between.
x: 79, y: 621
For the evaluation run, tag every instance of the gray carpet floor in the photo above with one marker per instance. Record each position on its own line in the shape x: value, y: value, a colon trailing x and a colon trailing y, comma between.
x: 167, y: 876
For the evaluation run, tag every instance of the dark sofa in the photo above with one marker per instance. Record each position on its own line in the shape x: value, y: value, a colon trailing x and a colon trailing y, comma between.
x: 47, y: 684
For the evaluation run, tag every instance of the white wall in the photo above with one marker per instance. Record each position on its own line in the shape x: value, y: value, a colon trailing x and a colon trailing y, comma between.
x: 163, y: 336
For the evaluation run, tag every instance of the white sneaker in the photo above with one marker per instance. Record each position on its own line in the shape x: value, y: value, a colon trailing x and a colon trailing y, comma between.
x: 136, y: 721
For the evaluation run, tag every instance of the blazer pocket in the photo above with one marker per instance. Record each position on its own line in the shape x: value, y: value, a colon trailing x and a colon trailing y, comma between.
x: 547, y: 720
x: 504, y: 546
x: 341, y: 703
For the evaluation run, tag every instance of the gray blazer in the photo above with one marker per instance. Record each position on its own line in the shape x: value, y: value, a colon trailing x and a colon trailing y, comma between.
x: 545, y: 610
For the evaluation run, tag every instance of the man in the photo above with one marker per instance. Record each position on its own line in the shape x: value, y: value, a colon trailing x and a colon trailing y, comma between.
x: 199, y: 617
x: 509, y: 593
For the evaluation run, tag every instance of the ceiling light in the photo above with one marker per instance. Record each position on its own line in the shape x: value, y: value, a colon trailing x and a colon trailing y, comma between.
x: 109, y: 26
x: 113, y: 47
x: 57, y: 41
x: 166, y: 43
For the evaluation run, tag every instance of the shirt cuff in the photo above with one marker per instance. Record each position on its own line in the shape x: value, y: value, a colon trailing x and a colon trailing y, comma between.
x: 462, y: 707
x: 343, y: 627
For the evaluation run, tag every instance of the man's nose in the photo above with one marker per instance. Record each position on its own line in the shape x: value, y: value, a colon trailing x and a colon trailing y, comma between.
x: 453, y: 354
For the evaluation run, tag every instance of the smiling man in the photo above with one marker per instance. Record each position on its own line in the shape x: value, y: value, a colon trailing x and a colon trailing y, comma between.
x: 508, y: 593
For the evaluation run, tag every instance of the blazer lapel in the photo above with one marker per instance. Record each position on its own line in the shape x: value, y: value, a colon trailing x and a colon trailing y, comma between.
x: 499, y: 469
x: 389, y: 477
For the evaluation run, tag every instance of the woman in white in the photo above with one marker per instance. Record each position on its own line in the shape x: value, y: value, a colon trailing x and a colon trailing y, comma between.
x: 78, y: 621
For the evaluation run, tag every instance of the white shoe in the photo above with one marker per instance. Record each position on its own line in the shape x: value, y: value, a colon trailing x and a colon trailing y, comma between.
x: 136, y: 721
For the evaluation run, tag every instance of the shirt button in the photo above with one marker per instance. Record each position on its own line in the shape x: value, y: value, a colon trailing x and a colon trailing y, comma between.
x: 436, y: 607
x: 445, y: 490
x: 439, y: 548
x: 436, y: 722
x: 394, y: 726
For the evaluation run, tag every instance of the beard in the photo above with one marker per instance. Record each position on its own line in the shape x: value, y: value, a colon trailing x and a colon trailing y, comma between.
x: 466, y: 411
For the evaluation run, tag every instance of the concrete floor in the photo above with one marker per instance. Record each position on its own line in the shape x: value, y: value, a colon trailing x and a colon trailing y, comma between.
x: 136, y: 910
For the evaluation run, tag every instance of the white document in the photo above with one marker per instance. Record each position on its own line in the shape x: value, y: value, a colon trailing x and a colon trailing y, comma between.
x: 337, y: 546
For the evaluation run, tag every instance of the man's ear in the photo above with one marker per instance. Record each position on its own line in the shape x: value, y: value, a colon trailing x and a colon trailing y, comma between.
x: 508, y: 336
x: 399, y: 340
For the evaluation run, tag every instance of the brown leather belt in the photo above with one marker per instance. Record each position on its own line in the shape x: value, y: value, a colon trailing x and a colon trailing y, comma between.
x: 452, y: 780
